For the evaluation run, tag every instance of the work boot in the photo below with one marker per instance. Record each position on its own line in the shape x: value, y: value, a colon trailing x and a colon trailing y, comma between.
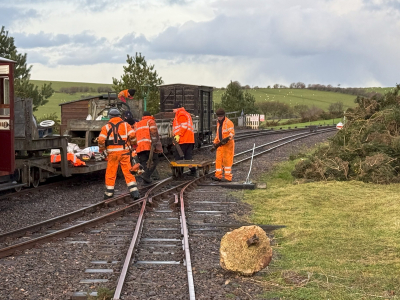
x: 215, y: 178
x: 145, y: 178
x: 107, y: 197
x: 135, y: 195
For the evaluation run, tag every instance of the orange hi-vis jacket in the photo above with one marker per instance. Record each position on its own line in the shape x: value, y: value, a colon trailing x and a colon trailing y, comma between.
x: 123, y: 95
x: 56, y: 158
x: 116, y: 135
x: 225, y: 153
x: 146, y: 133
x: 227, y: 130
x: 183, y: 126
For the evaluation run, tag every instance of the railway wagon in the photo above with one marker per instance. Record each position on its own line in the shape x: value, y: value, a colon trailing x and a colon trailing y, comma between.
x: 197, y: 100
x: 25, y: 145
x: 22, y: 161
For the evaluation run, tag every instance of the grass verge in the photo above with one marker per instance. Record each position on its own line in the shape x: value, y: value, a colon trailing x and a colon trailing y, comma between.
x: 342, y: 239
x: 302, y: 125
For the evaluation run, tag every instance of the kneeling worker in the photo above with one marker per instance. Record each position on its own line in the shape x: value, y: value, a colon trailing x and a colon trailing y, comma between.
x: 113, y: 141
x: 126, y: 94
x: 148, y: 145
x: 183, y: 133
x: 225, y: 146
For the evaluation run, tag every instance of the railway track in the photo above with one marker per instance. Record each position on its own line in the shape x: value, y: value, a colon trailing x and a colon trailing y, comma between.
x: 59, y: 181
x: 156, y: 230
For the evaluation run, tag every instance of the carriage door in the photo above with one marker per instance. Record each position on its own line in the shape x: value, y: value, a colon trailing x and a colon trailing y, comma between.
x: 7, y: 156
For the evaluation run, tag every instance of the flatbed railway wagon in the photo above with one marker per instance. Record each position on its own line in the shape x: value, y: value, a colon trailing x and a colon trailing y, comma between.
x: 83, y: 119
x: 25, y: 146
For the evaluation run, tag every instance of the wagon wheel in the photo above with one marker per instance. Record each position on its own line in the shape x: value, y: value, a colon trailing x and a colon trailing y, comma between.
x: 206, y: 169
x: 35, y: 177
x: 180, y: 171
x: 201, y: 171
x: 18, y: 179
x: 175, y: 172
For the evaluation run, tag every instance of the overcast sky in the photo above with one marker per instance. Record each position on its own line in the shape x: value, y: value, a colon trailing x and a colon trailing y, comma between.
x: 354, y: 43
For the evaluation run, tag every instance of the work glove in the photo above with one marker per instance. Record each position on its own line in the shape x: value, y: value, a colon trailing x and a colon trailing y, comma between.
x: 214, y: 147
x: 176, y: 138
x: 225, y: 140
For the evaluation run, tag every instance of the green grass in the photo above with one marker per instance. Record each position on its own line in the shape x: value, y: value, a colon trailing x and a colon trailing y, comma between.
x: 296, y: 97
x: 57, y: 98
x: 342, y: 239
x: 300, y: 125
x: 382, y: 90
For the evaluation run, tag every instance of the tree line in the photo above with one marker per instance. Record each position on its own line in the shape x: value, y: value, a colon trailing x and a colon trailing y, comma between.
x: 235, y: 98
x: 84, y: 89
x: 316, y: 86
x: 276, y: 111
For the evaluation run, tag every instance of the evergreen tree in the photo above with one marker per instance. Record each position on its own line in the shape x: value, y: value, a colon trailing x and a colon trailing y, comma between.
x: 22, y: 87
x: 234, y: 99
x: 136, y: 74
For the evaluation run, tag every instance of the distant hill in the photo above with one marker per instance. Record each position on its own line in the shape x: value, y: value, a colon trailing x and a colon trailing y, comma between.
x: 297, y: 96
x: 59, y: 97
x: 292, y: 97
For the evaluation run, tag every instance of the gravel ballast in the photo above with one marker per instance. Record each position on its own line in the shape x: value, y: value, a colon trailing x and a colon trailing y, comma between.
x: 53, y: 270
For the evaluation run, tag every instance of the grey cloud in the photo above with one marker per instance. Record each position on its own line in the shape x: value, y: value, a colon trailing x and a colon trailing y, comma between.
x: 386, y: 5
x: 177, y: 2
x: 9, y: 15
x: 37, y: 57
x: 132, y: 39
x: 45, y: 40
x: 40, y: 39
x: 91, y: 55
x: 96, y: 6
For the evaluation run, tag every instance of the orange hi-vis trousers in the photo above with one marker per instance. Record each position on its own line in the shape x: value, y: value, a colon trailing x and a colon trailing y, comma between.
x: 224, y: 160
x: 122, y: 158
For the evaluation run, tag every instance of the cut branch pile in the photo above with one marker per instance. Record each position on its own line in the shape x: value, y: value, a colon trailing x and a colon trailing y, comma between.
x: 367, y: 148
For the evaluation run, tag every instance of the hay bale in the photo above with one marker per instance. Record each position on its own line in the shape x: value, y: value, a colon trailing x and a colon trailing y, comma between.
x: 245, y: 250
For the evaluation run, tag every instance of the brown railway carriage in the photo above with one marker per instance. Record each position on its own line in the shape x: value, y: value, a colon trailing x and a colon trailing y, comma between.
x: 197, y: 100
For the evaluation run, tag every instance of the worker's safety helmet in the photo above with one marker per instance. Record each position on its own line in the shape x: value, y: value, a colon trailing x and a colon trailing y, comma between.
x: 114, y: 112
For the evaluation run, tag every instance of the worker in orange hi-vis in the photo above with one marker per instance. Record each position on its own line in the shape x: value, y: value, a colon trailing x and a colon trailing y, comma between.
x: 149, y: 145
x: 114, y: 141
x: 225, y: 146
x: 183, y: 133
x: 123, y: 95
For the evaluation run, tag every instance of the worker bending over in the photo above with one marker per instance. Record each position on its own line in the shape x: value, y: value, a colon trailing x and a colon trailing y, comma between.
x: 183, y: 133
x: 114, y: 141
x: 148, y: 145
x: 225, y: 146
x: 123, y: 95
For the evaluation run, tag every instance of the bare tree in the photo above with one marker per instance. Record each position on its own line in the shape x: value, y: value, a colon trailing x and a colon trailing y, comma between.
x: 274, y: 109
x: 336, y: 109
